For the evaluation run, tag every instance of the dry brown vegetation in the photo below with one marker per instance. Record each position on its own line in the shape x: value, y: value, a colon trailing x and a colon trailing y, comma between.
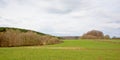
x: 94, y: 34
x: 17, y: 38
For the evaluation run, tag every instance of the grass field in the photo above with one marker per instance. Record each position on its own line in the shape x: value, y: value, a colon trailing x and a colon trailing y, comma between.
x: 69, y: 50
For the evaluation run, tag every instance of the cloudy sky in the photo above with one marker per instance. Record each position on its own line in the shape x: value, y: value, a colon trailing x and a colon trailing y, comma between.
x: 62, y: 17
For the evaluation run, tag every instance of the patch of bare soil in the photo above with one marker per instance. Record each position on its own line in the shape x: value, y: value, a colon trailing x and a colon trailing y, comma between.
x: 67, y: 48
x: 75, y: 48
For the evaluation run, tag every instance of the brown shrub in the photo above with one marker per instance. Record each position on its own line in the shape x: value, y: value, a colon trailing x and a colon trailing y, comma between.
x: 89, y: 37
x: 106, y: 37
x: 94, y: 34
x: 17, y: 38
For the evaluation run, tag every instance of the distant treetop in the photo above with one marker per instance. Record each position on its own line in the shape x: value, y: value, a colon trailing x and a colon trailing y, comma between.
x: 94, y: 34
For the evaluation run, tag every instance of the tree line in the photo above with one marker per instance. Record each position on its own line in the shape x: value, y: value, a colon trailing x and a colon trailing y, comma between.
x: 11, y: 37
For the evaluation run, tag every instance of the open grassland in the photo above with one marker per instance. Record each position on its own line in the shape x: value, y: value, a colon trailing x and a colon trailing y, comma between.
x: 68, y: 50
x: 112, y: 44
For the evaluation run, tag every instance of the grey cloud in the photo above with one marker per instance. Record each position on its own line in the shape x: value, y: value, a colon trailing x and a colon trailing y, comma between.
x: 58, y: 11
x: 3, y: 4
x: 8, y: 22
x: 22, y: 2
x: 117, y: 22
x: 67, y: 6
x: 71, y: 4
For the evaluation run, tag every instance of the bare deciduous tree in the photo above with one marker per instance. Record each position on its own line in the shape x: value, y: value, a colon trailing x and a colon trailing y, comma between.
x: 17, y: 38
x: 94, y: 34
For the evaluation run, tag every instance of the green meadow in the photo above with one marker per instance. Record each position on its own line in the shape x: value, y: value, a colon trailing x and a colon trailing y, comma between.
x: 68, y: 50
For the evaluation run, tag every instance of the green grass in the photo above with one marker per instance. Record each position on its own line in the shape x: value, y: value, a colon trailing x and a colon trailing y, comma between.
x: 89, y: 44
x: 110, y: 51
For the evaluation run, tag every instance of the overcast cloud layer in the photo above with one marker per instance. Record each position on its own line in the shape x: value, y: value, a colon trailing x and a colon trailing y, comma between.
x: 62, y: 17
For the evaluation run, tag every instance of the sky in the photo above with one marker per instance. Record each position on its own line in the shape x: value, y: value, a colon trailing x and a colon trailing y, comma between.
x: 62, y: 17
